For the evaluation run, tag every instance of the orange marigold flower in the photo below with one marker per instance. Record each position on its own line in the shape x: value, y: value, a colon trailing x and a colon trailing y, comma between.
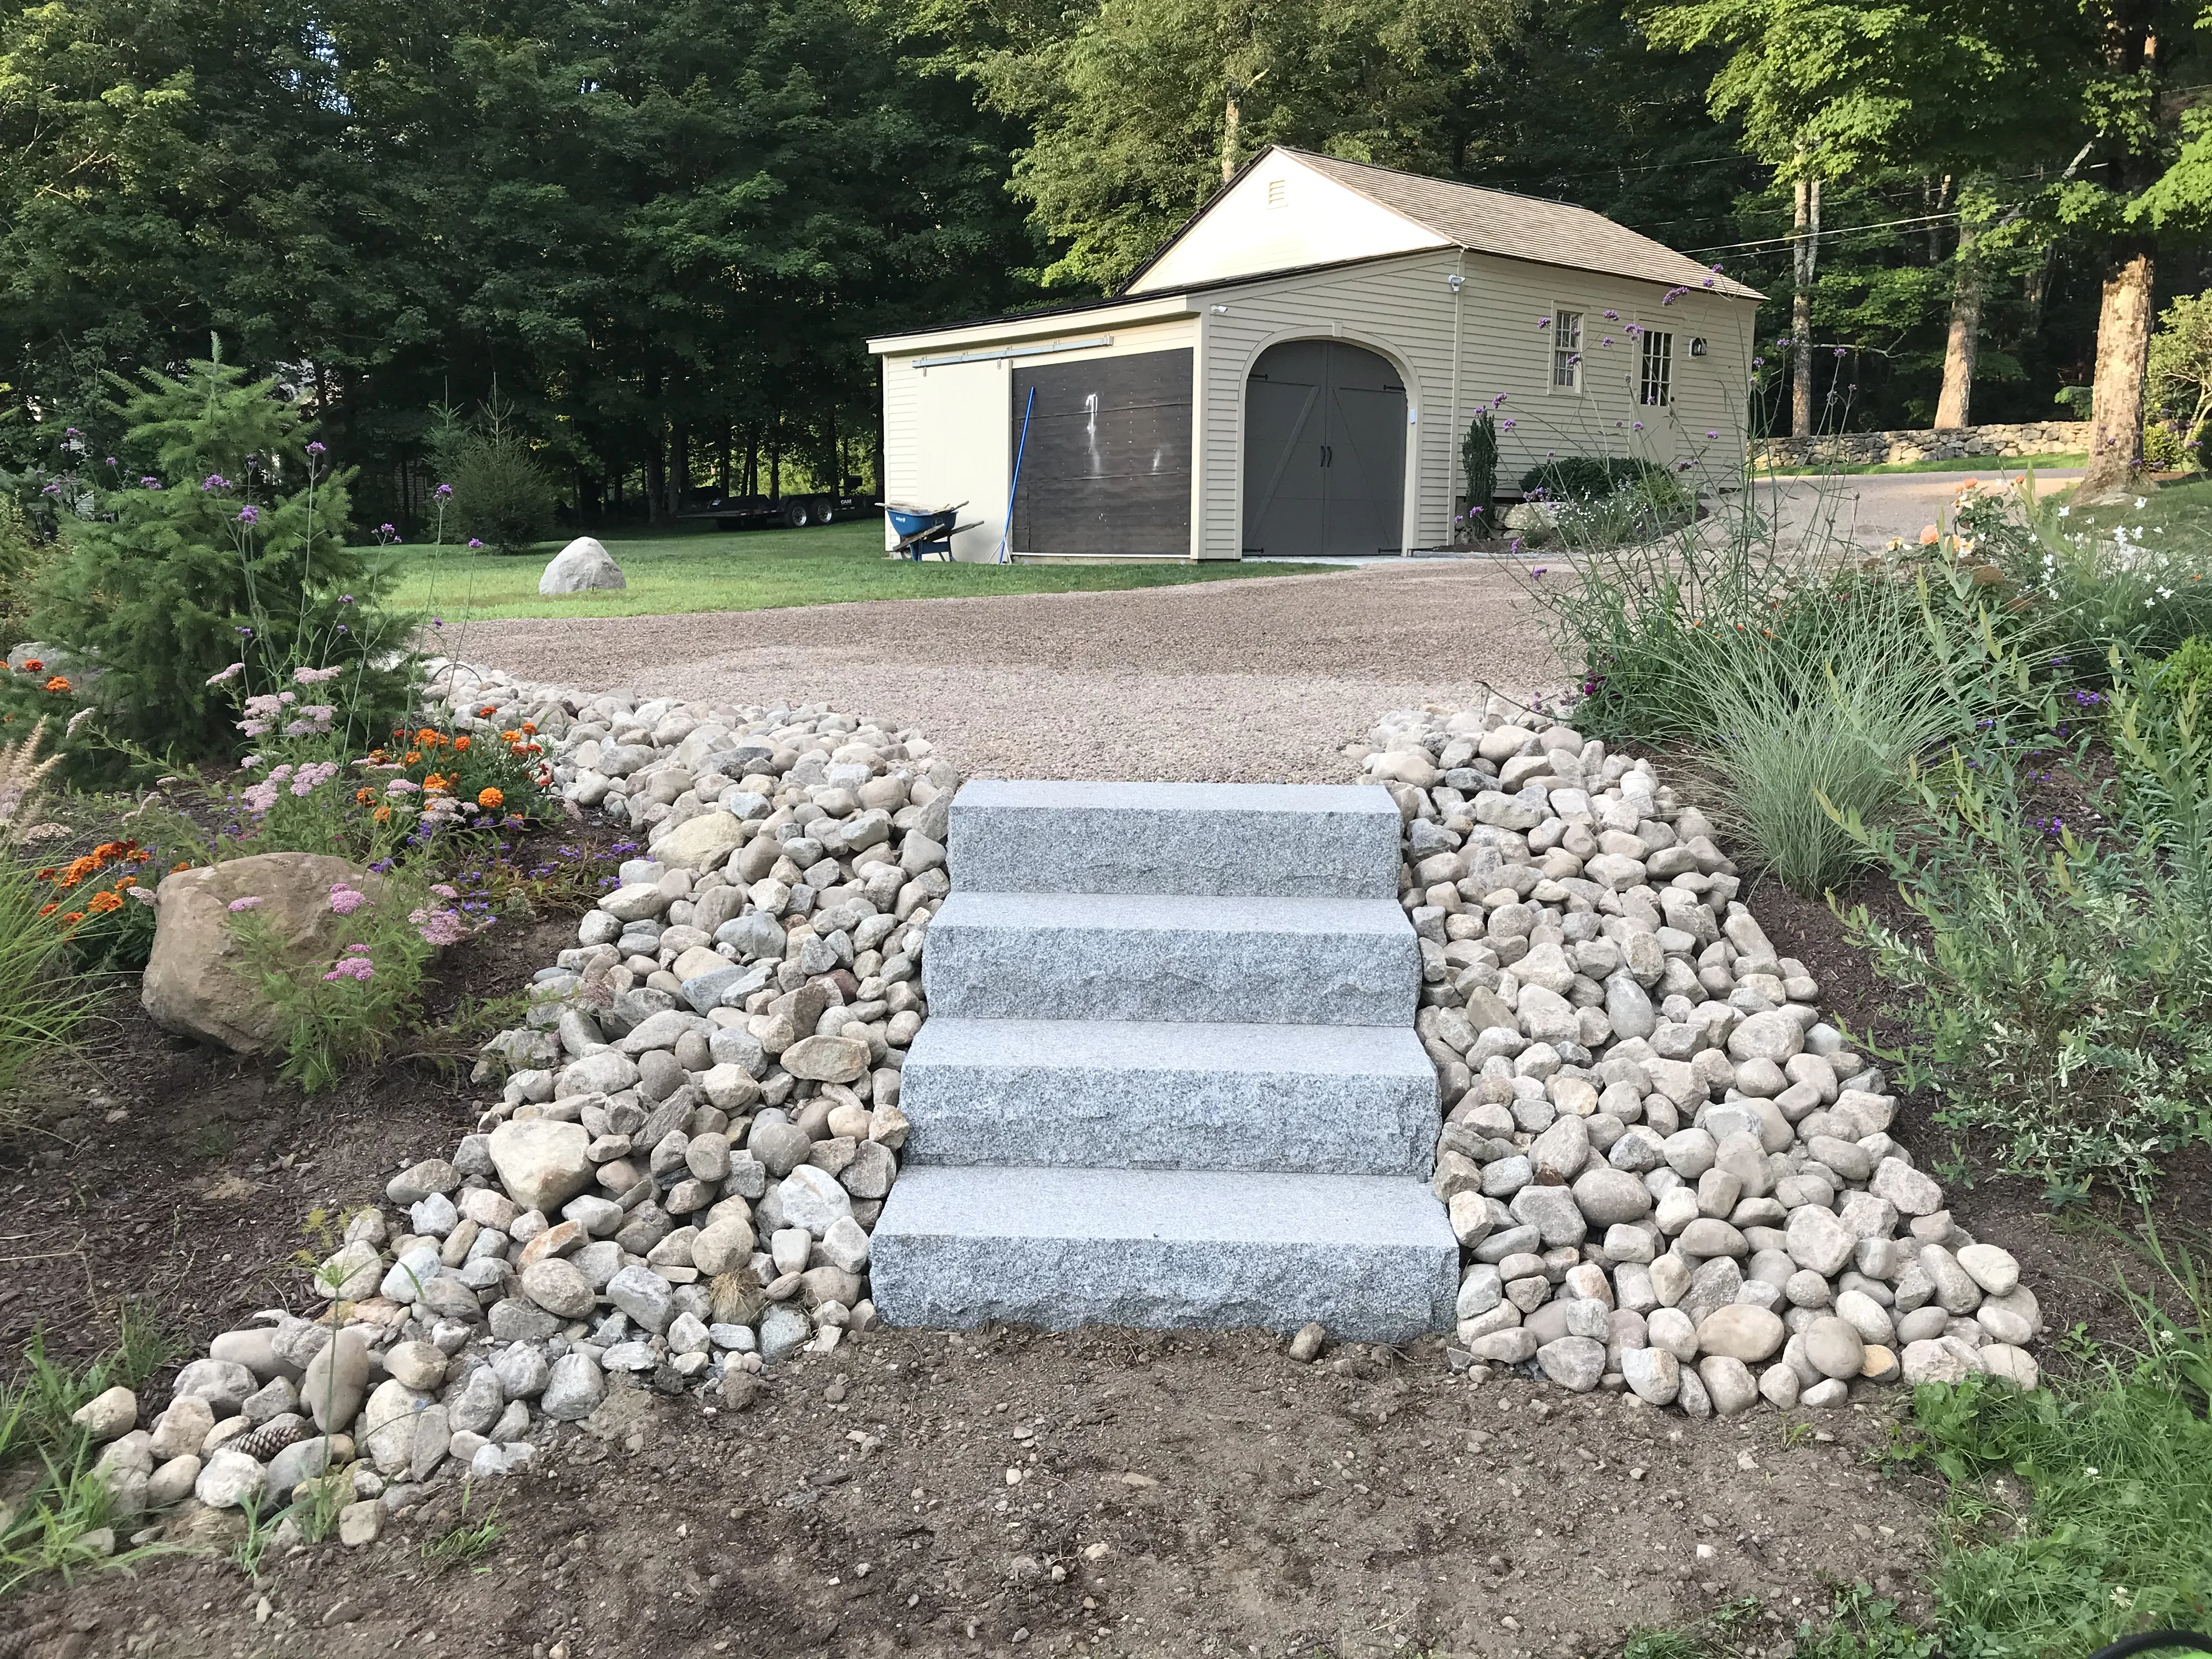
x: 1928, y: 536
x: 32, y: 666
x: 364, y: 796
x: 460, y: 746
x: 383, y: 815
x: 58, y: 683
x: 489, y: 799
x: 73, y: 918
x: 108, y: 851
x: 104, y: 903
x: 414, y: 757
x: 510, y: 736
x: 181, y: 865
x: 48, y: 910
x: 46, y: 874
x: 426, y: 739
x: 434, y: 782
x: 487, y: 711
x: 530, y: 727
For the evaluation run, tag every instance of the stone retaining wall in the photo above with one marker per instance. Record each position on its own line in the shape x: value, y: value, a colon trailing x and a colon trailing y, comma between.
x: 1959, y: 443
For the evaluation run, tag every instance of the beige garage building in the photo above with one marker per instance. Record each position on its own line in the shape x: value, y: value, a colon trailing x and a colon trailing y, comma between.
x: 1292, y: 373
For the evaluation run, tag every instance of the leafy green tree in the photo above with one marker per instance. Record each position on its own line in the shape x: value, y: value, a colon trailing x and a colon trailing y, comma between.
x: 1142, y: 108
x: 217, y: 542
x: 2181, y: 363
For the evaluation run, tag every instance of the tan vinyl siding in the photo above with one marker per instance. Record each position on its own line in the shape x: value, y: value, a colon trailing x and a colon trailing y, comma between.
x: 1400, y: 308
x: 1504, y: 350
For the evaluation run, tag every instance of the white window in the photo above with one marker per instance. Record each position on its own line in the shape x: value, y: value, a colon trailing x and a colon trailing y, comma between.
x: 1278, y: 191
x: 1655, y: 387
x: 1566, y: 351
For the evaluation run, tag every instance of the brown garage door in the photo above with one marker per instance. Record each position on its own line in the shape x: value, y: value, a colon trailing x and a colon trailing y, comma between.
x: 1107, y: 467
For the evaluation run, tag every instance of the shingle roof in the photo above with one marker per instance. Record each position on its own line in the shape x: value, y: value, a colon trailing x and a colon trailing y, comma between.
x: 1520, y: 226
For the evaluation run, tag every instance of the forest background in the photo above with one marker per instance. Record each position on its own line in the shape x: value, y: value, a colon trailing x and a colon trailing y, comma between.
x: 657, y: 234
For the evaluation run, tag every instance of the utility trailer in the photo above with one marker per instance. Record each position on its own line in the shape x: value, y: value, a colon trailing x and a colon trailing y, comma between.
x: 790, y: 512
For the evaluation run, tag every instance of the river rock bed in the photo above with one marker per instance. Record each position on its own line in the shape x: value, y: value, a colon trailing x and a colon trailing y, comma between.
x: 697, y: 1125
x: 1667, y: 1173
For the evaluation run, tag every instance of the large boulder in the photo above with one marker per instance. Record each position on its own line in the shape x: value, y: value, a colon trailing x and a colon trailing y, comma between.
x: 197, y: 981
x: 581, y: 566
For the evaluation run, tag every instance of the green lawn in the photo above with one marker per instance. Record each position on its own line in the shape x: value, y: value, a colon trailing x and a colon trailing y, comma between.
x: 1970, y: 463
x: 759, y: 570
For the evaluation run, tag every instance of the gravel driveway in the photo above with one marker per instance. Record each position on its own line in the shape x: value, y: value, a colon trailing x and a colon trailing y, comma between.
x: 1256, y: 680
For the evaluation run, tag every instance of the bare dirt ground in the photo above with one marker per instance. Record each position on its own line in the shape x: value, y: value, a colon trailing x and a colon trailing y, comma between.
x: 1098, y: 1492
x: 1253, y: 681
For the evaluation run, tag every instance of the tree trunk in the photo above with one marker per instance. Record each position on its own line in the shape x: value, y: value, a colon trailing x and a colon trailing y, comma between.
x: 722, y: 471
x: 679, y: 469
x: 2122, y: 352
x: 1958, y: 351
x: 1229, y: 120
x: 752, y: 461
x: 1804, y: 259
x: 656, y: 476
x: 775, y: 460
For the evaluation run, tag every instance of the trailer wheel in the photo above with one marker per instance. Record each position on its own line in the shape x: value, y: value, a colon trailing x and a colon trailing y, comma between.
x: 825, y: 509
x: 794, y: 512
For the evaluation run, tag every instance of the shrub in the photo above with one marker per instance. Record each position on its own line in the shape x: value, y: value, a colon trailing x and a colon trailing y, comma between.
x: 222, y: 534
x: 1478, y: 456
x: 501, y: 497
x: 2061, y: 1001
x: 2187, y: 672
x: 2163, y: 450
x: 1586, y: 478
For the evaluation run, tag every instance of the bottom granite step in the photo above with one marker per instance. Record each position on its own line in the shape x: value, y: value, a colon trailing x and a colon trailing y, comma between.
x: 1371, y: 1257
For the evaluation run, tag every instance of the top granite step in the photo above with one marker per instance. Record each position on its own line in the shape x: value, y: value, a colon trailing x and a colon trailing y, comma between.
x: 1222, y: 840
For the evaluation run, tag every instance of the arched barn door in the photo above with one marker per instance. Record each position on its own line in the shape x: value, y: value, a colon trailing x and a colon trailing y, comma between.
x: 1324, y: 453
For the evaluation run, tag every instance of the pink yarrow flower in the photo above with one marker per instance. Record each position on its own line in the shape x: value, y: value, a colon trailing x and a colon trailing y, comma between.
x: 252, y: 901
x: 359, y: 969
x: 345, y: 900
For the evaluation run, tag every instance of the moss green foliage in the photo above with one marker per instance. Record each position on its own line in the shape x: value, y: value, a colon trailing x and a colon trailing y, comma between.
x: 55, y: 1497
x: 23, y: 553
x: 217, y: 538
x: 2186, y: 672
x: 2058, y: 990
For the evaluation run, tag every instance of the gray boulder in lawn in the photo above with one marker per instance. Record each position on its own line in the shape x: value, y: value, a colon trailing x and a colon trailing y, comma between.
x: 581, y: 566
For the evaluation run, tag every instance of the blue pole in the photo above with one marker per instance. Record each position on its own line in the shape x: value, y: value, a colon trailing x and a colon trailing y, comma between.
x: 1020, y: 450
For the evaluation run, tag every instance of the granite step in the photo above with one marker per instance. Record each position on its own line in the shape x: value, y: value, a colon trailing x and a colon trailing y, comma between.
x: 1328, y: 1099
x: 1371, y: 1257
x: 1226, y: 961
x: 1234, y: 840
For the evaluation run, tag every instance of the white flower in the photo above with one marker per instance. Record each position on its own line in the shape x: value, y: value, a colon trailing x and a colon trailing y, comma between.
x: 2063, y: 511
x: 2139, y: 504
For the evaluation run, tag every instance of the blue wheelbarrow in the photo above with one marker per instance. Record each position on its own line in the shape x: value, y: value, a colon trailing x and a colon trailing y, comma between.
x: 924, y: 531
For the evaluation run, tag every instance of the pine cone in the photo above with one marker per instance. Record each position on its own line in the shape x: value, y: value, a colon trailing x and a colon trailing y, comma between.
x: 271, y: 1437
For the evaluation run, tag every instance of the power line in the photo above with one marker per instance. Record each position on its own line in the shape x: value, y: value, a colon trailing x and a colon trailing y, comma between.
x: 1918, y: 220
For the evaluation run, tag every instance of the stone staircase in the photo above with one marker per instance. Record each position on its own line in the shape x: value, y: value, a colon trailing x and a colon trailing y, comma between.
x: 1170, y: 1076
